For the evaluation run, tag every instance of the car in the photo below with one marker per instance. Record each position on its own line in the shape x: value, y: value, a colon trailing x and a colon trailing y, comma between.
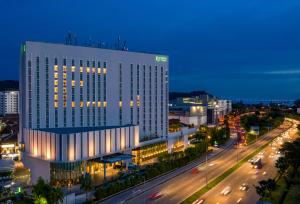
x: 239, y: 200
x: 211, y: 164
x: 226, y: 190
x: 199, y: 201
x: 195, y: 171
x: 155, y: 196
x: 264, y: 173
x: 261, y: 153
x: 244, y: 187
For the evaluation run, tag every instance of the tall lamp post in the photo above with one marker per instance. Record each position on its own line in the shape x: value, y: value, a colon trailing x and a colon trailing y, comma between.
x: 207, y: 141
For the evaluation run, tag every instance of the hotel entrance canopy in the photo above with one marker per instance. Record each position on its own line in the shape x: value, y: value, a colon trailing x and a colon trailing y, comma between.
x: 113, y: 158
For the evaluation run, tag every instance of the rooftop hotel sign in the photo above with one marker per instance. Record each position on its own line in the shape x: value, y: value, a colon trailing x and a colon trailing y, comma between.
x: 161, y: 58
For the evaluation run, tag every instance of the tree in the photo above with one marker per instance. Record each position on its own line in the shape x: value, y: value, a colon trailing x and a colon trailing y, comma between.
x: 291, y: 151
x: 39, y: 200
x: 43, y: 192
x: 57, y: 195
x: 282, y: 165
x: 265, y: 187
x: 86, y: 183
x: 261, y: 189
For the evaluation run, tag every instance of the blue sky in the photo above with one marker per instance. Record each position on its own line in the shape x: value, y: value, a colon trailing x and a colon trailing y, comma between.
x: 233, y: 49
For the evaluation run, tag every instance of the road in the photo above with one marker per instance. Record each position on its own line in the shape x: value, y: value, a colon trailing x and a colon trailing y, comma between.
x: 247, y: 174
x: 179, y: 186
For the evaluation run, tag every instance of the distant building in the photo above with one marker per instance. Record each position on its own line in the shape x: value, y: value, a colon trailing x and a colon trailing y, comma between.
x: 298, y: 110
x: 189, y: 110
x: 217, y: 109
x: 9, y: 102
x: 199, y: 110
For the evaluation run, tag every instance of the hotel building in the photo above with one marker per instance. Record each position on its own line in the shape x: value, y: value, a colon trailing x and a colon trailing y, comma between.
x: 83, y: 104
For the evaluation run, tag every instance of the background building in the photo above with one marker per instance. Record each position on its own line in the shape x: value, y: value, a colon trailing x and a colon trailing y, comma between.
x: 198, y: 108
x: 189, y: 110
x: 82, y: 103
x: 9, y: 102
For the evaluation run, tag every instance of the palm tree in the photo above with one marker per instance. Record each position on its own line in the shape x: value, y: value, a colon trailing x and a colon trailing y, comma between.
x: 39, y: 199
x: 86, y: 183
x: 43, y: 193
x: 57, y: 195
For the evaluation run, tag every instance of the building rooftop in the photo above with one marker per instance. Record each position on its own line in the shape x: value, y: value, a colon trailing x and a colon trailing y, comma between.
x: 99, y: 48
x: 79, y: 129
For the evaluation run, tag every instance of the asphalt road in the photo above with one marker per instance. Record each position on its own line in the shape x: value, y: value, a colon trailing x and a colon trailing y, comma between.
x: 247, y: 174
x: 180, y: 185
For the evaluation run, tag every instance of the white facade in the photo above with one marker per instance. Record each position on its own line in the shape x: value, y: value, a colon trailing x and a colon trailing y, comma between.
x: 9, y: 102
x: 64, y: 86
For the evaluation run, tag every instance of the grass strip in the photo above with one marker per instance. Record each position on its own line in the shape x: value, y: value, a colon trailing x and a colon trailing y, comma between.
x: 220, y: 178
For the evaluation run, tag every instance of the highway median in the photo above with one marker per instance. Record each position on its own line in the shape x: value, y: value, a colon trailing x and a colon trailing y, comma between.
x: 220, y: 178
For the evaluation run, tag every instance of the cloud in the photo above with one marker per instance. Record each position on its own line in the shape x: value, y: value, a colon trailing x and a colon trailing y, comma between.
x: 278, y: 72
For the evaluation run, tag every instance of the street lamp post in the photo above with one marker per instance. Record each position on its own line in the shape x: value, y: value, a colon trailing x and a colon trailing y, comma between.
x: 206, y: 159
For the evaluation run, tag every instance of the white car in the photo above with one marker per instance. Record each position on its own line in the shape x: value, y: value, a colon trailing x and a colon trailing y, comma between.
x: 244, y: 187
x: 226, y: 190
x: 239, y: 200
x: 261, y: 153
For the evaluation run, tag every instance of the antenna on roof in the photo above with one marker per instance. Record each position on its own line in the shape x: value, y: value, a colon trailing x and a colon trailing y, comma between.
x: 124, y: 48
x: 71, y: 39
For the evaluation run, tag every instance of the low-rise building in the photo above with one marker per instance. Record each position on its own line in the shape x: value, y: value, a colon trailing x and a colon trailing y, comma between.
x: 189, y: 111
x: 9, y: 102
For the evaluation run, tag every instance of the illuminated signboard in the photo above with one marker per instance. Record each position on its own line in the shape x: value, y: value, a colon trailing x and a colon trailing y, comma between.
x: 161, y: 58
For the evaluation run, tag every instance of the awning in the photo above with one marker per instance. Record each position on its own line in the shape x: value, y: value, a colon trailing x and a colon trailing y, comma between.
x: 113, y: 158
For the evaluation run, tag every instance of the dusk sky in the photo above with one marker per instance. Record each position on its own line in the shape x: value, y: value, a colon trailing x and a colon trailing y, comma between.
x: 232, y: 49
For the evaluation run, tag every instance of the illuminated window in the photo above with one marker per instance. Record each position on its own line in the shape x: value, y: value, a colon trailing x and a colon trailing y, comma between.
x: 88, y: 104
x: 64, y: 68
x: 65, y: 75
x: 56, y: 75
x: 65, y: 90
x: 88, y: 70
x: 138, y: 103
x: 55, y: 68
x: 81, y: 103
x: 99, y: 104
x: 120, y: 103
x: 65, y: 104
x: 73, y: 68
x: 55, y: 104
x: 65, y: 82
x: 138, y: 97
x: 55, y: 89
x: 73, y: 83
x: 104, y: 103
x: 55, y: 97
x: 55, y: 82
x: 104, y: 70
x: 99, y: 70
x: 131, y: 103
x: 81, y: 69
x: 73, y: 104
x: 94, y: 103
x: 81, y: 83
x: 93, y: 70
